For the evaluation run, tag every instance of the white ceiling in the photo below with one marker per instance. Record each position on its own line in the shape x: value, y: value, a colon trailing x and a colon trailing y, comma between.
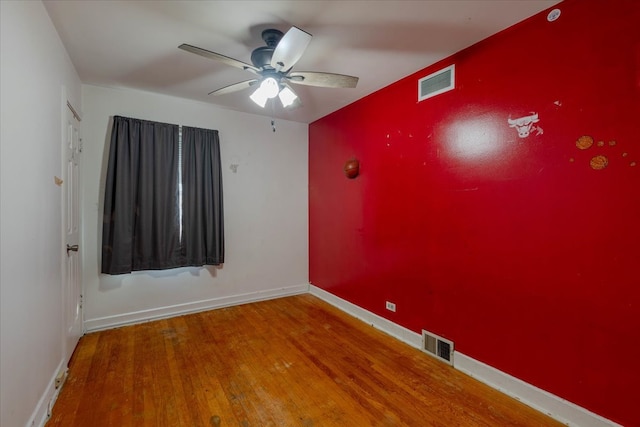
x: 134, y: 44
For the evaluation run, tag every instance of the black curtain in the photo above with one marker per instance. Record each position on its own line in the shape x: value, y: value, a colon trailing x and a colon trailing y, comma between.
x: 142, y: 228
x: 203, y: 222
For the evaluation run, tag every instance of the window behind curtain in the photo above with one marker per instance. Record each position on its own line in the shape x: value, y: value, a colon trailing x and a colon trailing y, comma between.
x: 143, y: 227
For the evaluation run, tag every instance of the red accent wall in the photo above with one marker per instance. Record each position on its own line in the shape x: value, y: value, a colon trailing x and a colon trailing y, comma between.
x: 517, y: 249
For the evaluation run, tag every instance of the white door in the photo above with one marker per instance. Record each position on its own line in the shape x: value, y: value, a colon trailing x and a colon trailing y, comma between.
x: 72, y: 302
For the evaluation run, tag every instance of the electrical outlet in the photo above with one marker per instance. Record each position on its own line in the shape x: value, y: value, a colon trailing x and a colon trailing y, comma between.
x: 391, y: 306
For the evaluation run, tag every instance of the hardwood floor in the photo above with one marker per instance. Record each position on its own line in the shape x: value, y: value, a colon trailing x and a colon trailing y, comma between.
x: 294, y: 361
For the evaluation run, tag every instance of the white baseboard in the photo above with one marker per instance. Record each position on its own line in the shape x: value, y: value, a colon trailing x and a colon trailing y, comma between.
x: 108, y: 322
x: 557, y: 408
x: 42, y: 411
x: 545, y: 402
x: 399, y: 332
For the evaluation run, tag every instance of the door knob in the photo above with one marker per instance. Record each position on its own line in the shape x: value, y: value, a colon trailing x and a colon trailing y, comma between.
x: 73, y: 248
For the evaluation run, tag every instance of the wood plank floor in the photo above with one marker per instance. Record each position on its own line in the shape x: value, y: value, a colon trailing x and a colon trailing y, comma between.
x: 293, y: 361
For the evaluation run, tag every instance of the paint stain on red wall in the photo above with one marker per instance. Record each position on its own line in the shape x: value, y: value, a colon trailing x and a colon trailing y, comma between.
x: 523, y: 250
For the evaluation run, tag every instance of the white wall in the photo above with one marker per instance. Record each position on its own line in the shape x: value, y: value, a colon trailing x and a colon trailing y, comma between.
x: 265, y: 204
x: 34, y: 68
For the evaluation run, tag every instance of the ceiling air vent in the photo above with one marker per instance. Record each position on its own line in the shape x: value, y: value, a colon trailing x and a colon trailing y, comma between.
x: 438, y: 347
x: 436, y: 83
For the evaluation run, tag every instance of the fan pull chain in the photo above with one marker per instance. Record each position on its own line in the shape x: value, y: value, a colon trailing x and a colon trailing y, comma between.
x: 273, y: 113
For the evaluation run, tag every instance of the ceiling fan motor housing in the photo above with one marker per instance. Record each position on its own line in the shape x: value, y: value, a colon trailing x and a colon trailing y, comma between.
x: 261, y: 57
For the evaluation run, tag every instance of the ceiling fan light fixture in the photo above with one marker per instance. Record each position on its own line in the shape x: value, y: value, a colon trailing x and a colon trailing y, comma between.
x: 268, y: 89
x: 287, y: 97
x: 259, y: 98
x: 272, y: 64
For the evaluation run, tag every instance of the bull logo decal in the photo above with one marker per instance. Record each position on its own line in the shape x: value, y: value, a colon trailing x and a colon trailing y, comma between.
x: 526, y: 125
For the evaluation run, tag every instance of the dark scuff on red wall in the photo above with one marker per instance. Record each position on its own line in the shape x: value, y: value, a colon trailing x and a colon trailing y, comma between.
x: 524, y: 251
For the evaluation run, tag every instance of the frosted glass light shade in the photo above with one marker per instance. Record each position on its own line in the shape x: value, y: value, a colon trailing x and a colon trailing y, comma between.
x: 259, y: 98
x: 287, y: 97
x: 268, y: 89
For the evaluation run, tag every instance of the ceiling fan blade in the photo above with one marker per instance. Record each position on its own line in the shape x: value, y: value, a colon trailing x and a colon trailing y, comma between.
x: 290, y: 49
x: 313, y: 78
x: 234, y: 87
x: 212, y: 55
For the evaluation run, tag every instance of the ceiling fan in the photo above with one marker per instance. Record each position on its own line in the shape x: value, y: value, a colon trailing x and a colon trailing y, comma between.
x: 272, y: 66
